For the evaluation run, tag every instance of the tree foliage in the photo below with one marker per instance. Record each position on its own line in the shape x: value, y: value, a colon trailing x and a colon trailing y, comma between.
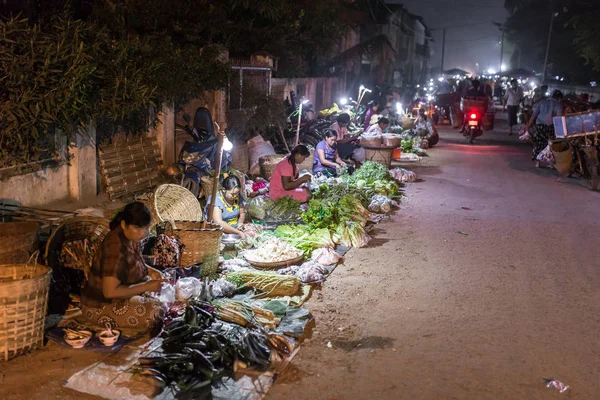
x: 574, y: 44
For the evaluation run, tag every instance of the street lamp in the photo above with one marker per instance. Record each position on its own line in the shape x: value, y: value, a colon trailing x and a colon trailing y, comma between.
x: 343, y: 101
x: 299, y: 120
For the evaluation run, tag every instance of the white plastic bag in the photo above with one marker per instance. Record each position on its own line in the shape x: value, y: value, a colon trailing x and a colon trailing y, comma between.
x: 257, y: 148
x: 325, y: 256
x: 167, y: 293
x: 186, y: 288
x: 546, y: 156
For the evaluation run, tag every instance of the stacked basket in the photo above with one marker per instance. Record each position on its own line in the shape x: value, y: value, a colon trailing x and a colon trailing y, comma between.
x: 23, y: 305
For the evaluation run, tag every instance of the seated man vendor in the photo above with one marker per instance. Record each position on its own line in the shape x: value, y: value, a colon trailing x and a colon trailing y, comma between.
x: 229, y: 211
x: 285, y: 181
x: 119, y: 279
x: 347, y: 145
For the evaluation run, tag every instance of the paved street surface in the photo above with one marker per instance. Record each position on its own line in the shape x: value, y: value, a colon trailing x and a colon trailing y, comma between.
x: 426, y: 312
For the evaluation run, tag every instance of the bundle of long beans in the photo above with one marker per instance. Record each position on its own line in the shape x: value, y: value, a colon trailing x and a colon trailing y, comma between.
x: 271, y: 284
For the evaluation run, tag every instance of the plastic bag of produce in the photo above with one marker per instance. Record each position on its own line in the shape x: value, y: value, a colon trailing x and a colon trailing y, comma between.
x: 325, y: 256
x: 167, y: 293
x: 312, y: 272
x: 380, y: 204
x: 546, y: 156
x: 258, y: 206
x: 186, y: 288
x: 222, y: 288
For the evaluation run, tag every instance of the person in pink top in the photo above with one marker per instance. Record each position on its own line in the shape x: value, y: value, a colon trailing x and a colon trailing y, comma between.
x: 285, y: 181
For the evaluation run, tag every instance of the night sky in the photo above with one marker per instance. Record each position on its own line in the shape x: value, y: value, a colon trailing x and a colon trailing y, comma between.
x: 470, y: 35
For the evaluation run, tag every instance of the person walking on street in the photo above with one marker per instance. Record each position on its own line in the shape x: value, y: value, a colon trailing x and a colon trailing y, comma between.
x: 543, y: 113
x: 512, y: 99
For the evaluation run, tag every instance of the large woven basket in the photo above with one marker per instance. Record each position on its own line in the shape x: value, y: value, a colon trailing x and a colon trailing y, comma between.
x: 268, y: 164
x: 18, y: 240
x: 240, y: 157
x: 563, y: 157
x: 23, y: 305
x: 174, y: 203
x: 72, y: 230
x: 307, y: 163
x: 199, y: 243
x: 381, y: 156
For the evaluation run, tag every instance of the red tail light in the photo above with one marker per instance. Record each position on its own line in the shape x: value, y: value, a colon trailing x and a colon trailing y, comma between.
x: 473, y: 116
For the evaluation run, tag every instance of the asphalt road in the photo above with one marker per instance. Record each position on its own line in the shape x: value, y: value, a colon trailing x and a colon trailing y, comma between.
x: 482, y: 285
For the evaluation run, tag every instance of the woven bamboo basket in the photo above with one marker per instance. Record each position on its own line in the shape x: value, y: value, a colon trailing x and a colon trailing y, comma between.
x: 174, y: 203
x: 199, y: 243
x: 267, y: 165
x: 23, y: 306
x: 207, y: 184
x: 563, y: 157
x: 381, y: 155
x: 308, y: 162
x: 240, y: 159
x: 274, y: 265
x: 18, y: 241
x: 76, y: 229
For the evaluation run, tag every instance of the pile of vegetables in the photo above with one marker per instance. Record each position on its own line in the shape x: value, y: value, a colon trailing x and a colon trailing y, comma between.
x: 304, y: 238
x: 197, y: 350
x: 407, y: 145
x: 352, y: 234
x: 321, y: 215
x: 375, y: 179
x: 284, y: 208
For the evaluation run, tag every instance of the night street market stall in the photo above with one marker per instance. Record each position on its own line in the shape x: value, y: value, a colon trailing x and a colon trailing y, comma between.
x: 233, y: 304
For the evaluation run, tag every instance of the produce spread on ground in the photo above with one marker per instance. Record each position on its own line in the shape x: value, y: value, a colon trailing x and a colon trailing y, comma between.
x: 242, y: 313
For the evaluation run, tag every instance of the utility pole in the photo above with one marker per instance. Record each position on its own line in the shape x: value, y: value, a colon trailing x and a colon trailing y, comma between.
x: 501, y: 49
x: 548, y: 43
x: 443, y: 48
x: 501, y: 27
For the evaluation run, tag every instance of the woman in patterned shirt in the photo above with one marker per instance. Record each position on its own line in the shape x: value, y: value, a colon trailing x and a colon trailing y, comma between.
x: 119, y: 280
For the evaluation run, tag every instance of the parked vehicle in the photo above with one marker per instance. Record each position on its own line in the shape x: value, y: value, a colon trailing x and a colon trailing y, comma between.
x: 198, y: 157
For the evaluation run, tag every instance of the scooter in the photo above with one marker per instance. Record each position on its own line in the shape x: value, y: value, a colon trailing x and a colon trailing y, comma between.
x: 198, y: 157
x: 473, y: 124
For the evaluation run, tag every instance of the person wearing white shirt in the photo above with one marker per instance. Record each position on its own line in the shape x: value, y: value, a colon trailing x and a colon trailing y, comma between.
x: 377, y: 129
x: 512, y: 99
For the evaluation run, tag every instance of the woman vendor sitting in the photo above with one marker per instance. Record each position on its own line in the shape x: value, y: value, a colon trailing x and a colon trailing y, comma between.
x: 327, y: 160
x: 229, y: 211
x: 285, y: 181
x: 119, y: 278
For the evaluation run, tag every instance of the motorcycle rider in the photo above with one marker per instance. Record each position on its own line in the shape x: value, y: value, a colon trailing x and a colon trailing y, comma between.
x: 475, y: 91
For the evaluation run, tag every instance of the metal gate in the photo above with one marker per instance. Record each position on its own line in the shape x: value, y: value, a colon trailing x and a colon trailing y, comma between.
x: 243, y: 78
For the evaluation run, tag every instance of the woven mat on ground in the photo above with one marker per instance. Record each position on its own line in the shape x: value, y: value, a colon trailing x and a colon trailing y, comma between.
x: 57, y: 335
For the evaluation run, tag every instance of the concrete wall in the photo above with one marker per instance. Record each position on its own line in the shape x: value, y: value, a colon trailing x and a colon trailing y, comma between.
x: 72, y: 182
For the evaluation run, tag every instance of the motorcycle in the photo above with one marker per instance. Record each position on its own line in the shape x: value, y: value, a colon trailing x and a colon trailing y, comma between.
x: 198, y: 157
x: 473, y: 124
x: 310, y: 128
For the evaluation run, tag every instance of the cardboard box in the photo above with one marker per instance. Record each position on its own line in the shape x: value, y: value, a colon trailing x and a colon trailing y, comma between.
x: 576, y: 124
